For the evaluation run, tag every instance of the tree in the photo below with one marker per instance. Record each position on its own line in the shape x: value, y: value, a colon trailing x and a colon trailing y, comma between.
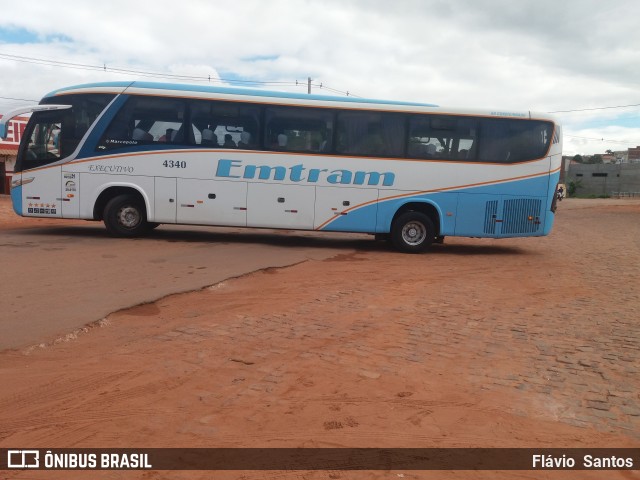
x: 610, y: 152
x: 573, y: 186
x: 578, y: 158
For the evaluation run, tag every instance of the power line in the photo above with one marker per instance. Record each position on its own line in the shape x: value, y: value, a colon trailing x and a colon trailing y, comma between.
x: 19, y: 99
x: 602, y: 140
x: 596, y: 108
x: 322, y: 86
x: 208, y: 78
x: 143, y: 73
x: 105, y: 68
x: 308, y: 84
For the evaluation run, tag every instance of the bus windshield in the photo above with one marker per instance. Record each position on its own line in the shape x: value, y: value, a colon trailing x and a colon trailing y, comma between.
x: 54, y: 135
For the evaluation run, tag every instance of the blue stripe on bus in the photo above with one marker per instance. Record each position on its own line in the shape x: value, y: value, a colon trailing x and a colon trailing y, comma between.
x: 60, y: 91
x: 378, y: 216
x: 16, y: 199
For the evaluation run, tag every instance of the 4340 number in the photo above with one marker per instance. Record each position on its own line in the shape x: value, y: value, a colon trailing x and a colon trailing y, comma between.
x: 174, y: 164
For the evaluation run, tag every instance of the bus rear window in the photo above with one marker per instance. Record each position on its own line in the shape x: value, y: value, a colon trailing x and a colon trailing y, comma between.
x: 510, y: 141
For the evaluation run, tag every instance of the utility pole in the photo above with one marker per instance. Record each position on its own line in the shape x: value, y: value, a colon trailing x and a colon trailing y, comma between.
x: 309, y: 85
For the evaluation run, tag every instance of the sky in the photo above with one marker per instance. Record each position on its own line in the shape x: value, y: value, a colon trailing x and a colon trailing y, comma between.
x: 574, y: 57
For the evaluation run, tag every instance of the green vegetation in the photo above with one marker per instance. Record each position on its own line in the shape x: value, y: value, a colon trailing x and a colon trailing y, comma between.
x: 573, y: 186
x: 589, y: 159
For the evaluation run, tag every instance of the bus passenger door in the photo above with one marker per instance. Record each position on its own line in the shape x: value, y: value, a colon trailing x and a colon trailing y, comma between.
x: 165, y: 200
x: 41, y: 193
x: 212, y: 202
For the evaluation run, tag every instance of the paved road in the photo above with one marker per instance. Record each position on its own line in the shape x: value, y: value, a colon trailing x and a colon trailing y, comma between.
x: 61, y: 277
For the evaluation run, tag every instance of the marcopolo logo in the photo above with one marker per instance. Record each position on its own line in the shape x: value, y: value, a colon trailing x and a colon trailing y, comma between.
x: 23, y: 459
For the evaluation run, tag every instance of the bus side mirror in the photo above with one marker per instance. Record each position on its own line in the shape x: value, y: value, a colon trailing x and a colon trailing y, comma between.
x: 4, y: 121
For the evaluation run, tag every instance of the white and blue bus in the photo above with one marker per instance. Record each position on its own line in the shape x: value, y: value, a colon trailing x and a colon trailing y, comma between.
x: 137, y: 154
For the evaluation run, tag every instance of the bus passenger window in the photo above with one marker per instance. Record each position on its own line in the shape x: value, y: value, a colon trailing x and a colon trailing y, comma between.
x: 225, y: 125
x: 145, y: 121
x: 371, y: 134
x: 295, y: 129
x: 442, y: 137
x: 140, y: 135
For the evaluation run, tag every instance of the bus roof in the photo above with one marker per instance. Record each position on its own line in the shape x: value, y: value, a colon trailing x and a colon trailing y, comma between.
x: 226, y: 91
x: 269, y: 96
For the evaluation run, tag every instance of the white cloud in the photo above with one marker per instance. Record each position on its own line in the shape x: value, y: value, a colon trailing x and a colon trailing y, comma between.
x: 541, y: 55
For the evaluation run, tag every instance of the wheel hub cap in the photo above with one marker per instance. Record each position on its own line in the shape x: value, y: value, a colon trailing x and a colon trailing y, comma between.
x: 414, y: 233
x: 129, y: 217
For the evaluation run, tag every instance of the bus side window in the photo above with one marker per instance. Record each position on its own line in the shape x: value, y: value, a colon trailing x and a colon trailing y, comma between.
x: 218, y: 124
x: 371, y: 134
x: 144, y: 121
x: 141, y: 135
x: 298, y: 129
x: 442, y: 137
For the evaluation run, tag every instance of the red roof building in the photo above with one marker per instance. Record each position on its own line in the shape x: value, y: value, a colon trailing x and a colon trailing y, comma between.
x: 9, y: 151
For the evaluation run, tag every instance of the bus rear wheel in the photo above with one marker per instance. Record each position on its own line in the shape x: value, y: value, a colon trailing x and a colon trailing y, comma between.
x: 126, y: 216
x: 412, y: 232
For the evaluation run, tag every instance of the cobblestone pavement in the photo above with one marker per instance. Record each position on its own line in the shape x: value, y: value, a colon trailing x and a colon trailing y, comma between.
x: 556, y: 324
x: 559, y: 327
x: 566, y: 325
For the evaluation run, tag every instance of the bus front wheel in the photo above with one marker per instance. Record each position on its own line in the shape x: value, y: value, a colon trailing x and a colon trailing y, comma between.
x: 412, y: 232
x: 126, y: 216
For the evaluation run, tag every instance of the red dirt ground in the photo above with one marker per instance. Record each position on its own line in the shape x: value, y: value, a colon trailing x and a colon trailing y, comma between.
x: 479, y: 343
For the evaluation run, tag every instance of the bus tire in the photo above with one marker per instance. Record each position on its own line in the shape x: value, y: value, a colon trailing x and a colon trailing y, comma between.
x: 412, y: 232
x: 126, y: 216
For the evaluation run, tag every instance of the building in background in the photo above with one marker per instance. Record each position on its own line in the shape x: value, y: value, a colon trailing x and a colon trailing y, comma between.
x: 9, y: 152
x: 617, y: 180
